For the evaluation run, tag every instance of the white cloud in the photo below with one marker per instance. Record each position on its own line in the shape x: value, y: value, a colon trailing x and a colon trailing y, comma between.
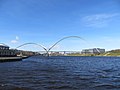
x: 16, y: 40
x: 98, y: 20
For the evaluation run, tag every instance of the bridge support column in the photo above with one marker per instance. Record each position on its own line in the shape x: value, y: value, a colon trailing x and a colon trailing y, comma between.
x: 47, y: 54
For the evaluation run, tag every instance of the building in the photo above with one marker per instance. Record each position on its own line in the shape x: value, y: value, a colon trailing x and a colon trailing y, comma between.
x: 93, y: 51
x: 26, y: 53
x: 6, y: 52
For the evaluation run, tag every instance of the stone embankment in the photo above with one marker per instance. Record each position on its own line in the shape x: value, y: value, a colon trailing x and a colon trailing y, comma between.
x: 5, y: 59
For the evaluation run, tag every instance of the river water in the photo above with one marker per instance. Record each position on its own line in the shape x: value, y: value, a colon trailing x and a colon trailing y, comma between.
x: 61, y: 73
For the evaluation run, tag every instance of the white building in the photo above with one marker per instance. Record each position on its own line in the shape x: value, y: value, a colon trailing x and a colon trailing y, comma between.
x: 5, y: 51
x: 93, y: 51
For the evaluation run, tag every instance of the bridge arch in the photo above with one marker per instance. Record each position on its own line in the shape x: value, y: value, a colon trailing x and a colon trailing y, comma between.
x: 33, y: 44
x: 47, y: 50
x: 64, y: 39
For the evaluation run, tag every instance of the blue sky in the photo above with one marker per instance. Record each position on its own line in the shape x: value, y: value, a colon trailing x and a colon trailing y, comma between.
x: 46, y: 21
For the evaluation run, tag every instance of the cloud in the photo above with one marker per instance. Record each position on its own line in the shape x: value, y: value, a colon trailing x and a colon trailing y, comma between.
x: 16, y: 40
x: 98, y: 20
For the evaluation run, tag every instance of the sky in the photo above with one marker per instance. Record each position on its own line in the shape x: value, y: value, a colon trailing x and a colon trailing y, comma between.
x: 46, y: 21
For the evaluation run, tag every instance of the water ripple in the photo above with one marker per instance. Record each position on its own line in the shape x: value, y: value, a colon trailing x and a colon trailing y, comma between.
x: 61, y: 73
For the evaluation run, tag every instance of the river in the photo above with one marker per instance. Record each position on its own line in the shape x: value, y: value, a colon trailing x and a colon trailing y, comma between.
x: 61, y: 73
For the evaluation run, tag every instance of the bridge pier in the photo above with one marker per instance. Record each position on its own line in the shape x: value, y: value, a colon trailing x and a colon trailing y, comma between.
x: 47, y: 54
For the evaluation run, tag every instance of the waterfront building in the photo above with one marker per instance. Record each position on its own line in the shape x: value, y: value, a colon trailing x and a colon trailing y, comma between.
x: 93, y: 51
x: 6, y: 52
x: 26, y: 53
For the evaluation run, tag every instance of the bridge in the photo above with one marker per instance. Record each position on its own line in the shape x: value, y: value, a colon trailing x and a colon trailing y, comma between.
x: 50, y: 48
x: 47, y: 51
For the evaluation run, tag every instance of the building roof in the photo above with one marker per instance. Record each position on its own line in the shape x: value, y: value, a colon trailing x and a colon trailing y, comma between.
x: 3, y: 45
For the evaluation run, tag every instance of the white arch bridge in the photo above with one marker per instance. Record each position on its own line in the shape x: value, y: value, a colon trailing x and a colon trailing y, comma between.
x: 49, y: 49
